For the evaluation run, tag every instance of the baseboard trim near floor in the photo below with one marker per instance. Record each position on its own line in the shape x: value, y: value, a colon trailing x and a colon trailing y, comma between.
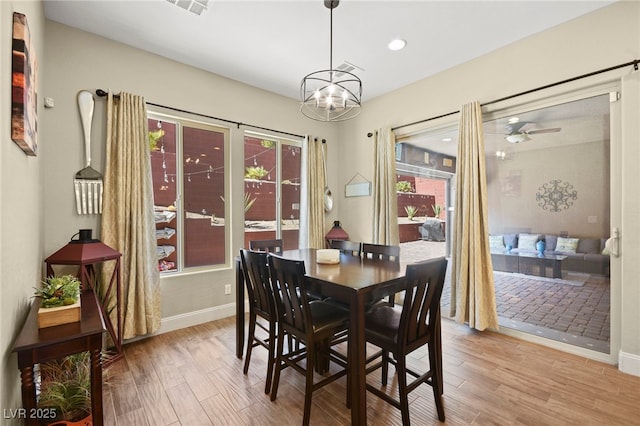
x: 190, y: 319
x: 629, y: 363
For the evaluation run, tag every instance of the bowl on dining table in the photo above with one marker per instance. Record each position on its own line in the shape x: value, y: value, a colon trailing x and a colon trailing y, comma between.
x: 328, y: 256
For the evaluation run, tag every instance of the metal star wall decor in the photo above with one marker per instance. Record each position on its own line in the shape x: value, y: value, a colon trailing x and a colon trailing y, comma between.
x: 556, y: 195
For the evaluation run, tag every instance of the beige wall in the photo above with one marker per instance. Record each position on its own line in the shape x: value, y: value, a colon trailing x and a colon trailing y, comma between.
x: 583, y: 166
x: 21, y: 205
x: 604, y: 38
x: 81, y: 61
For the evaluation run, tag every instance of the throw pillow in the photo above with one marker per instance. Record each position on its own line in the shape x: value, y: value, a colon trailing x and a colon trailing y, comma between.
x: 527, y: 241
x: 496, y: 242
x: 550, y: 242
x: 567, y: 245
x: 589, y: 246
x: 511, y: 240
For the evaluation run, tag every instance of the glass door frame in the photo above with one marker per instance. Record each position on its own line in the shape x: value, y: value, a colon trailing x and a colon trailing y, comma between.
x: 547, y: 98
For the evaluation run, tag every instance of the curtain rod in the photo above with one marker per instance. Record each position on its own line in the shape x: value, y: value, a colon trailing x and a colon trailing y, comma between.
x: 102, y: 94
x: 635, y: 63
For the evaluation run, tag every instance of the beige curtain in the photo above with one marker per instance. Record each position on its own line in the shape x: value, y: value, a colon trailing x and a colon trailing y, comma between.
x: 127, y: 219
x: 312, y: 198
x: 473, y: 297
x: 385, y: 204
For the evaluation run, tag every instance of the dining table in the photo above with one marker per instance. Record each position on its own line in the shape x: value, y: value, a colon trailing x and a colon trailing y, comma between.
x: 354, y: 281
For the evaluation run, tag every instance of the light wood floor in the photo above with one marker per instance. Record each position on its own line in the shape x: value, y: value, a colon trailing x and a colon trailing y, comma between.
x: 191, y: 377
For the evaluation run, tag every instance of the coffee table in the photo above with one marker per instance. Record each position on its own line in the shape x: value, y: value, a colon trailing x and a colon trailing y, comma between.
x: 528, y: 263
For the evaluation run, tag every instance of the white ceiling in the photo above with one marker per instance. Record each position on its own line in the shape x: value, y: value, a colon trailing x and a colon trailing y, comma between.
x: 581, y: 121
x: 273, y: 44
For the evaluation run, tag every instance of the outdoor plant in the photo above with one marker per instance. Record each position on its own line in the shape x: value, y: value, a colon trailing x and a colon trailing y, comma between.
x: 267, y: 143
x: 59, y: 291
x: 255, y: 172
x: 437, y: 208
x: 403, y: 186
x: 154, y: 137
x: 248, y: 202
x: 411, y: 211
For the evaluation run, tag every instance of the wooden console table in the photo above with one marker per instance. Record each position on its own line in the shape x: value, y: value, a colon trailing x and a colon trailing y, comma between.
x: 37, y: 345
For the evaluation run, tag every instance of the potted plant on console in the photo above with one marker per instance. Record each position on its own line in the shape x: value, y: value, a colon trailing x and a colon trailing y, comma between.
x: 60, y: 301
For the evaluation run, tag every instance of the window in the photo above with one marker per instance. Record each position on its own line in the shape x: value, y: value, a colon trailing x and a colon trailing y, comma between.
x: 272, y: 189
x: 188, y: 163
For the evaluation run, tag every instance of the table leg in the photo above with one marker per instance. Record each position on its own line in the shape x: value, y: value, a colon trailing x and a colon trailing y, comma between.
x: 29, y: 394
x: 239, y: 310
x: 357, y: 364
x: 557, y: 269
x: 96, y: 385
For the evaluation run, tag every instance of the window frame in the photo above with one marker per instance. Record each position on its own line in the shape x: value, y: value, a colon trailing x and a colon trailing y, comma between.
x: 180, y: 122
x: 280, y: 143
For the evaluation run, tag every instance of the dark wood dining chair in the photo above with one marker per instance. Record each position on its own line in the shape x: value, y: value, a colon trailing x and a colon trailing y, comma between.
x: 271, y: 246
x: 314, y: 323
x: 255, y: 267
x: 345, y: 246
x: 381, y: 252
x: 402, y: 331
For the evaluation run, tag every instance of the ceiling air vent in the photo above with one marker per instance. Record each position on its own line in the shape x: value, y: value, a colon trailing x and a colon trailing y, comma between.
x: 347, y: 67
x: 193, y: 6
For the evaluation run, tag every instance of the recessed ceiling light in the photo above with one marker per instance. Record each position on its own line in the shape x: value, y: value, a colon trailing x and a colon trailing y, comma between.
x: 447, y: 140
x: 514, y: 120
x: 397, y: 44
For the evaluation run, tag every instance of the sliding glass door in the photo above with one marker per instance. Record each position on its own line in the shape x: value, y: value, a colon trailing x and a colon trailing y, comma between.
x: 548, y: 178
x: 551, y: 181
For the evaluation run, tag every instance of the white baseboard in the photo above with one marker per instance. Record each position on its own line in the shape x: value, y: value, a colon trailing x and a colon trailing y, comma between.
x: 190, y: 319
x: 629, y: 363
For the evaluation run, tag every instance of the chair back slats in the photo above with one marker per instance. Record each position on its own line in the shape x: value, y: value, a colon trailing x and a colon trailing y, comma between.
x: 352, y: 248
x: 270, y: 246
x: 256, y: 271
x: 425, y: 281
x: 381, y: 251
x: 290, y: 297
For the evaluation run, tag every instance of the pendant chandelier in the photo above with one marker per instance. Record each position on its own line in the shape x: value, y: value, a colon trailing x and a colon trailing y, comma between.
x: 333, y: 94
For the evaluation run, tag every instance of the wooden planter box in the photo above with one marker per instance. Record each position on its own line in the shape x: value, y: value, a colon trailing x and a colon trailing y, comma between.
x: 49, y: 317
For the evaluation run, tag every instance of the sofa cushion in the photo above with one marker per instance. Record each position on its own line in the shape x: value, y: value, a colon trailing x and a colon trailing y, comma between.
x: 589, y: 245
x: 527, y: 241
x: 496, y: 242
x: 511, y: 240
x: 567, y: 245
x: 550, y: 242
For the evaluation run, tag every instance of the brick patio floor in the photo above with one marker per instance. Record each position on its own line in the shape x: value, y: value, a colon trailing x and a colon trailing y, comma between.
x: 575, y: 314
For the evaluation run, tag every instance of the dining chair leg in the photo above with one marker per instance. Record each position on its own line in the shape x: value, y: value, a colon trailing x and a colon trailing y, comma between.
x: 250, y: 337
x: 437, y: 347
x: 401, y: 371
x: 349, y: 376
x: 385, y: 367
x: 278, y: 366
x: 308, y: 391
x: 271, y: 361
x: 436, y: 379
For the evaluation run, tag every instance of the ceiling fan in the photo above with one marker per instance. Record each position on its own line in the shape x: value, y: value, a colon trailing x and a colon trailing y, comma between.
x: 517, y: 132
